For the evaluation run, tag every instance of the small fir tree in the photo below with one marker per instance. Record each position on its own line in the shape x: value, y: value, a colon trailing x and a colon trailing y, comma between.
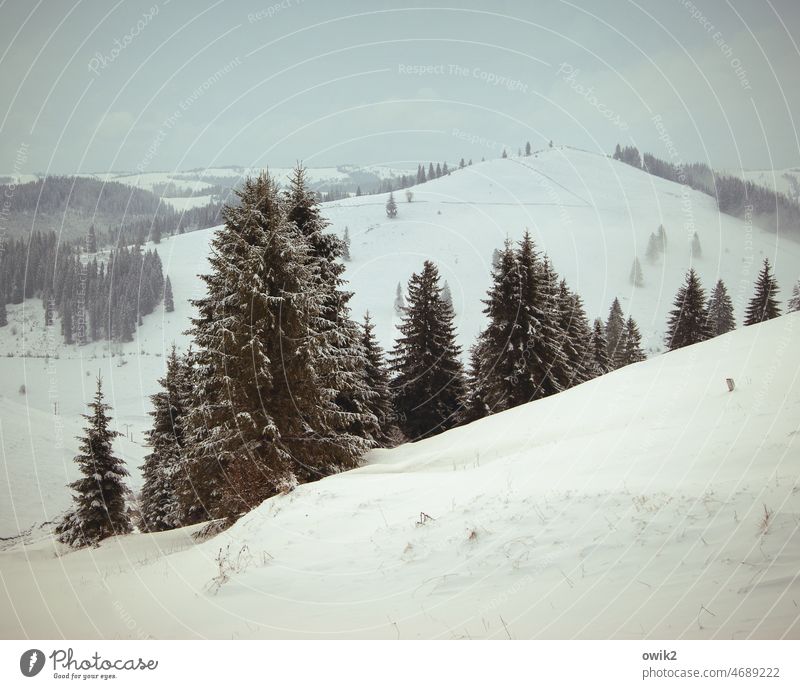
x: 688, y: 320
x: 615, y: 327
x: 391, y: 206
x: 169, y: 299
x: 764, y: 304
x: 99, y: 496
x: 720, y: 311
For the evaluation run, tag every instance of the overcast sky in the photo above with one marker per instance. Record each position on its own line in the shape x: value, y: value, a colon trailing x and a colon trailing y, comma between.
x: 99, y: 85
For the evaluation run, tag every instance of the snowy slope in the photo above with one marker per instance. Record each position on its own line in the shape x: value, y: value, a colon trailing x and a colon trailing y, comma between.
x: 628, y: 507
x: 590, y: 213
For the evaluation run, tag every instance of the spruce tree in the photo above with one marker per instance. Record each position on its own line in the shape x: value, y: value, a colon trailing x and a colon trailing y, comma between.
x: 475, y: 406
x: 159, y: 499
x: 377, y: 381
x: 635, y: 277
x: 631, y: 349
x: 688, y: 320
x: 600, y: 364
x: 91, y: 240
x: 391, y: 206
x: 346, y: 244
x: 99, y: 501
x: 577, y: 337
x: 661, y: 238
x: 615, y: 328
x: 794, y: 302
x: 428, y: 382
x: 720, y: 311
x: 399, y: 301
x: 447, y: 295
x: 169, y: 299
x: 545, y: 361
x: 527, y: 148
x: 339, y: 359
x: 261, y: 419
x: 764, y: 304
x: 504, y: 341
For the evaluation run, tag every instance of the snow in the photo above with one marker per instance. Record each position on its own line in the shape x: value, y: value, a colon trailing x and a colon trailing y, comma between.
x: 628, y: 507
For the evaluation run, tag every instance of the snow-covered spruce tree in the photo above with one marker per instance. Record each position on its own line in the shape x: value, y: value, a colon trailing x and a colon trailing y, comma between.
x: 474, y: 406
x: 262, y: 420
x: 764, y: 304
x: 346, y: 244
x: 577, y: 341
x: 399, y: 301
x: 376, y: 374
x: 99, y: 499
x: 391, y: 206
x: 600, y: 363
x: 428, y: 382
x: 502, y: 345
x: 339, y: 359
x: 546, y: 364
x: 615, y: 327
x: 794, y: 302
x: 169, y: 299
x: 688, y: 320
x: 631, y: 345
x: 159, y: 504
x: 720, y: 311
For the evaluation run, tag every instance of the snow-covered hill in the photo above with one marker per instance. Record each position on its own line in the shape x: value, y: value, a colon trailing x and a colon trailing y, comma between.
x: 649, y: 503
x: 590, y: 213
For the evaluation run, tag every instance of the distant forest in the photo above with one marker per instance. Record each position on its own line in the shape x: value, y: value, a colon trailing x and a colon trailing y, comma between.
x: 68, y: 206
x: 769, y: 209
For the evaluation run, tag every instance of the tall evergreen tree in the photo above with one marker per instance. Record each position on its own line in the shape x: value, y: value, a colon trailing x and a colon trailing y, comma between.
x: 600, y: 362
x: 377, y: 381
x: 794, y: 302
x: 764, y: 304
x: 475, y: 406
x: 169, y: 299
x: 577, y: 338
x: 159, y: 503
x: 428, y: 381
x: 527, y: 148
x: 720, y: 311
x: 263, y: 420
x: 339, y: 358
x: 91, y: 240
x: 615, y: 328
x: 631, y: 346
x: 99, y: 501
x: 688, y: 320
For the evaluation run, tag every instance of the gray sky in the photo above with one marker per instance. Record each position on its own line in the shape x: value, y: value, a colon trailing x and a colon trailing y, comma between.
x: 171, y: 84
